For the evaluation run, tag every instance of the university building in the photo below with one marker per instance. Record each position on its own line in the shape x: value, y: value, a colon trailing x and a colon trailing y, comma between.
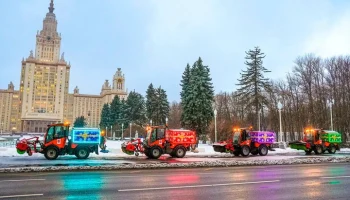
x: 43, y: 96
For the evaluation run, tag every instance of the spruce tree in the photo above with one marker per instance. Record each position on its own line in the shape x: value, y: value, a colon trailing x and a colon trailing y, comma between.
x: 197, y: 98
x: 184, y: 92
x: 162, y: 106
x: 115, y: 111
x: 135, y: 108
x: 253, y: 83
x: 150, y: 102
x: 105, y: 116
x: 80, y: 122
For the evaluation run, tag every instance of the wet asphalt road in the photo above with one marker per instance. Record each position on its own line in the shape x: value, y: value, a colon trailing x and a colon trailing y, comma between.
x: 321, y: 181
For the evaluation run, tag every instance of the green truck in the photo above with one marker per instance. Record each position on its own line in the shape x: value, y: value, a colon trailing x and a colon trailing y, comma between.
x: 319, y: 141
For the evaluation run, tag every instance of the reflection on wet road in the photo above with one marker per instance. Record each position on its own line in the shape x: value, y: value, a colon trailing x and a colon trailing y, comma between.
x: 329, y: 181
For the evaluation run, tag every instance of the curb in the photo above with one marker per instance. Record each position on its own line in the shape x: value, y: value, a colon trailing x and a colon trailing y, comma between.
x: 294, y: 161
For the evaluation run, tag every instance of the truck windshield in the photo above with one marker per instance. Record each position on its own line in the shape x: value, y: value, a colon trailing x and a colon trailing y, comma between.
x: 308, y: 136
x: 236, y: 136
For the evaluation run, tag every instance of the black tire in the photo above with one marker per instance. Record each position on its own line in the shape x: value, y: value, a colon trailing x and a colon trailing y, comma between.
x: 318, y: 149
x: 51, y: 153
x: 308, y: 152
x: 146, y: 152
x: 332, y: 149
x: 155, y: 152
x: 245, y: 151
x: 263, y: 150
x: 82, y: 153
x: 236, y: 153
x: 180, y: 152
x: 254, y: 152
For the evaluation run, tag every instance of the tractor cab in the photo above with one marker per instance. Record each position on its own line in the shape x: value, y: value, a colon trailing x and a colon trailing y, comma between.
x: 312, y: 135
x: 240, y: 135
x: 57, y: 135
x: 155, y: 135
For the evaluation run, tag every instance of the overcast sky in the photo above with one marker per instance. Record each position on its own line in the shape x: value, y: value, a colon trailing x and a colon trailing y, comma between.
x: 153, y: 40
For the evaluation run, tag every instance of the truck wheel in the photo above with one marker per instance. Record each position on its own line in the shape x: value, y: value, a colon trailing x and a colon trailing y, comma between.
x: 236, y: 153
x: 82, y: 153
x: 51, y: 153
x: 332, y: 149
x: 318, y: 149
x: 155, y: 153
x: 308, y: 152
x: 245, y: 151
x: 180, y: 152
x: 263, y: 150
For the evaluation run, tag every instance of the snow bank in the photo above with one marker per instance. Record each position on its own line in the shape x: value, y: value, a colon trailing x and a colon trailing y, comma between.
x: 184, y: 165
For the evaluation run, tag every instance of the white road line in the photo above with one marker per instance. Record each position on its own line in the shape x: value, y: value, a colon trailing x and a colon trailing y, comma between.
x: 329, y: 177
x: 196, y: 186
x: 168, y: 175
x: 23, y: 195
x: 22, y: 180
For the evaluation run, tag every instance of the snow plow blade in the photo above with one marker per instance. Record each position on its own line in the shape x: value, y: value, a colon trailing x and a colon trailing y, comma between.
x: 298, y: 145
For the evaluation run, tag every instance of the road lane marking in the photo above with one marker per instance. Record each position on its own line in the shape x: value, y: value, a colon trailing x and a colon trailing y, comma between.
x: 22, y: 180
x: 168, y: 175
x: 329, y: 177
x: 196, y: 186
x: 22, y: 195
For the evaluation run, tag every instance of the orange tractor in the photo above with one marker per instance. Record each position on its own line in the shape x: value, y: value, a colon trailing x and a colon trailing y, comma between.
x: 161, y: 140
x: 59, y: 140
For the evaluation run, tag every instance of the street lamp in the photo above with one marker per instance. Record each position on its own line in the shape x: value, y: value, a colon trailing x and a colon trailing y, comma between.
x: 215, y: 114
x: 122, y: 129
x: 106, y: 132
x: 259, y: 113
x: 330, y: 103
x: 112, y: 132
x: 2, y: 124
x: 130, y: 130
x: 279, y: 106
x: 166, y: 121
x: 150, y: 122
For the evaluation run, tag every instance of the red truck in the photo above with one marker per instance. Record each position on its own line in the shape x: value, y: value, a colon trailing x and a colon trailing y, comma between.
x: 161, y: 140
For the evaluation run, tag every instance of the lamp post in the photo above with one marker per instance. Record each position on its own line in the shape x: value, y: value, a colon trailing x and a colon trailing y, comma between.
x: 2, y: 124
x: 112, y: 132
x: 130, y: 130
x: 106, y: 131
x: 279, y: 106
x: 122, y: 129
x: 215, y: 114
x: 166, y: 121
x: 330, y: 103
x: 259, y: 113
x: 150, y: 122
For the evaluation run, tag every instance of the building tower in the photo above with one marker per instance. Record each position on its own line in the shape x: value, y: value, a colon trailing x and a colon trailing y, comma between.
x: 44, y: 79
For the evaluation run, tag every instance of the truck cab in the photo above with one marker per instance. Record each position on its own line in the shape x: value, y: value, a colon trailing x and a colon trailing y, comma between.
x: 60, y: 140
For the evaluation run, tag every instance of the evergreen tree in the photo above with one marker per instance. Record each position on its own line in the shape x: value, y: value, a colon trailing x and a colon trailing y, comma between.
x: 150, y: 102
x: 197, y: 98
x: 135, y: 108
x: 185, y: 87
x: 253, y: 83
x: 162, y: 106
x: 105, y: 116
x: 115, y: 111
x: 80, y: 122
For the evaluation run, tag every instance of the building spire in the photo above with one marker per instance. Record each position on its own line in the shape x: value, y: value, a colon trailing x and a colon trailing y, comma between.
x: 51, y: 8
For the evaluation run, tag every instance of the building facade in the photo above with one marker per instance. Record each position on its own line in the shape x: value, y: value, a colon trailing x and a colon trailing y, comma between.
x: 43, y: 97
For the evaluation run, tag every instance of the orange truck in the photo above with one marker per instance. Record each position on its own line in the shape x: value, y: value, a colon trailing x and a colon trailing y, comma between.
x: 161, y: 140
x: 60, y: 140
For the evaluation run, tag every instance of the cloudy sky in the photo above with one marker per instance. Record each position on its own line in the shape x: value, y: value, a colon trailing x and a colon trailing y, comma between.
x: 153, y: 40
